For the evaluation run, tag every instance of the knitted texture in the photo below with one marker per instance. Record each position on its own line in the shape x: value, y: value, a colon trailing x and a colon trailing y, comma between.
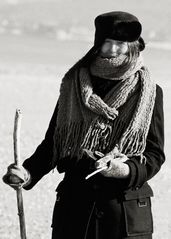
x: 85, y: 121
x: 115, y: 68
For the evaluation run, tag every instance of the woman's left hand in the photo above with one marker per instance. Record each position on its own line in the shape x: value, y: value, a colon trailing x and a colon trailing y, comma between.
x: 116, y: 167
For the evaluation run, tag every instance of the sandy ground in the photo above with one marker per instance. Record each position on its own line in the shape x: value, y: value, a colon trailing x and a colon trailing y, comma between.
x: 30, y: 75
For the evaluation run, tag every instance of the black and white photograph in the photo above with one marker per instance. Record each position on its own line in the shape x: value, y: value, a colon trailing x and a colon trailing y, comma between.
x: 85, y: 108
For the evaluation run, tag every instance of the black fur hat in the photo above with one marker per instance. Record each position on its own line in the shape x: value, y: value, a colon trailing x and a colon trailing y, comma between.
x: 118, y: 25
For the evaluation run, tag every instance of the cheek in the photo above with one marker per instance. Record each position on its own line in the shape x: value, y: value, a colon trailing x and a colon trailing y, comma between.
x: 104, y: 48
x: 124, y: 49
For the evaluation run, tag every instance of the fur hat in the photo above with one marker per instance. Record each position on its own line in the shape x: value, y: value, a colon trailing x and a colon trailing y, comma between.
x: 118, y: 25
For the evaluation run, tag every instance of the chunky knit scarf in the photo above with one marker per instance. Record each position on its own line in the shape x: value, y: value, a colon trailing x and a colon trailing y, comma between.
x: 122, y: 117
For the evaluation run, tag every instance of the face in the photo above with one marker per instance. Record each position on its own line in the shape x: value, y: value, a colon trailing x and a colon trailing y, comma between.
x: 113, y: 48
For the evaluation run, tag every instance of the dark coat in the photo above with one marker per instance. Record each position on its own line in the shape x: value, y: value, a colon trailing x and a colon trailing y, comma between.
x: 103, y: 208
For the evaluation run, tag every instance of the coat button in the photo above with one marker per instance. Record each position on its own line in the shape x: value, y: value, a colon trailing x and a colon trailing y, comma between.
x: 99, y: 214
x: 101, y: 125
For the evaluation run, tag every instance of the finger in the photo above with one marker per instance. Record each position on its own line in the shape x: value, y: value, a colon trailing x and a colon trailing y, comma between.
x: 12, y: 179
x: 124, y: 158
x: 13, y: 166
x: 116, y: 150
x: 98, y: 154
x: 118, y: 154
x: 121, y: 159
x: 15, y: 179
x: 102, y: 162
x: 13, y: 169
x: 16, y: 172
x: 99, y: 165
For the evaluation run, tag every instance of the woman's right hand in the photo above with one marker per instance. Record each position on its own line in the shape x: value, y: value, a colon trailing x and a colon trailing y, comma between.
x: 16, y: 177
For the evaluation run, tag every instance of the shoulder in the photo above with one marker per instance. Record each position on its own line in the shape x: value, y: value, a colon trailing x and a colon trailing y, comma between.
x: 72, y: 73
x: 158, y: 106
x: 159, y: 90
x: 159, y: 94
x: 68, y: 81
x: 70, y: 76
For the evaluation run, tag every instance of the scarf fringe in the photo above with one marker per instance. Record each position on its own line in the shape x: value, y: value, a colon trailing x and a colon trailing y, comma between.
x: 134, y: 99
x: 133, y: 144
x: 68, y: 140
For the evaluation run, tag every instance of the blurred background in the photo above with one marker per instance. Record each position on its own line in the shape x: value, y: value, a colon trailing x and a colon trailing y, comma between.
x: 39, y: 41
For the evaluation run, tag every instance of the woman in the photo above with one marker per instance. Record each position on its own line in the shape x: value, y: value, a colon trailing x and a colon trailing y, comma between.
x: 106, y: 135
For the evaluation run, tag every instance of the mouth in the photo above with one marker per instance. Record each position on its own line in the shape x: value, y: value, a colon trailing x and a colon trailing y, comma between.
x: 109, y: 55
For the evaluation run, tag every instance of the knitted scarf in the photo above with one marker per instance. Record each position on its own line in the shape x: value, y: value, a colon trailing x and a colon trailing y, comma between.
x: 122, y: 117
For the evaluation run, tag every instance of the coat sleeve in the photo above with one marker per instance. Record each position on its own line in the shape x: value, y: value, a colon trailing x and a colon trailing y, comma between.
x: 154, y: 151
x: 39, y: 163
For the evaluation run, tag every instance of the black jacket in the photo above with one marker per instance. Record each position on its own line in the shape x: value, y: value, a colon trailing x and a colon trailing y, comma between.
x: 39, y: 163
x: 103, y: 207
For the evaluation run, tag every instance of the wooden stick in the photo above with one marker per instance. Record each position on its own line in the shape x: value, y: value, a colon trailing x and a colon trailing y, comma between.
x: 95, y: 172
x: 16, y: 138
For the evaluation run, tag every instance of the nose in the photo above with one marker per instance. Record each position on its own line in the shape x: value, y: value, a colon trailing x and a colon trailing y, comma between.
x: 113, y: 48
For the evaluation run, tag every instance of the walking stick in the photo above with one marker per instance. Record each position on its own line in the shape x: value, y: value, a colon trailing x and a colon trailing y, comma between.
x: 16, y: 139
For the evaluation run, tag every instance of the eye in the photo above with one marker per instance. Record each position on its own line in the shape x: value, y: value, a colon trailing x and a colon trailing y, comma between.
x: 107, y: 42
x: 121, y: 43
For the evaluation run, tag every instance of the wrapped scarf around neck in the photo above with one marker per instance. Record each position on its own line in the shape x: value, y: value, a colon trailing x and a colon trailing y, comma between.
x: 122, y: 117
